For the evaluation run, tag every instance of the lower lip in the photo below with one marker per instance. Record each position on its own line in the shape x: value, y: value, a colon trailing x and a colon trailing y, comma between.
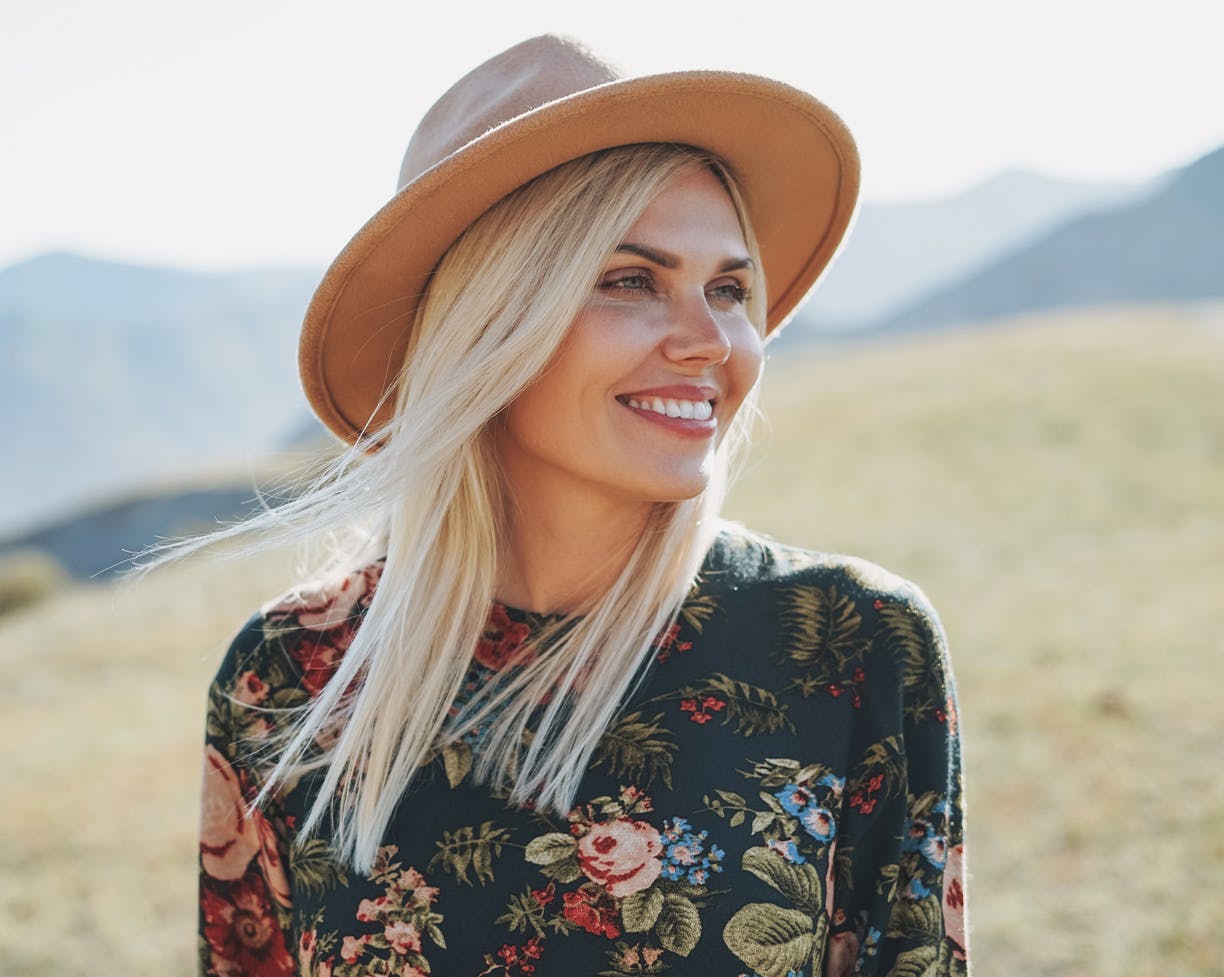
x: 687, y: 427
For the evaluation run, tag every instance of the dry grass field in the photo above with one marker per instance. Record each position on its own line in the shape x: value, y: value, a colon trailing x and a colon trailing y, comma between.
x: 1057, y: 487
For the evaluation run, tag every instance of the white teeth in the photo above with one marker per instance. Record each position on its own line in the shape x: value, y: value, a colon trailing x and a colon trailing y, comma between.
x: 697, y: 410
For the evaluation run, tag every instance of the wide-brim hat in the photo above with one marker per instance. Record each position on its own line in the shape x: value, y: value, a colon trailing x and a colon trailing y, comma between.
x: 531, y: 108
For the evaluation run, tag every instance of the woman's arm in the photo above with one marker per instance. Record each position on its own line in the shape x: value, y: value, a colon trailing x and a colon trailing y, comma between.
x: 900, y: 892
x: 245, y: 899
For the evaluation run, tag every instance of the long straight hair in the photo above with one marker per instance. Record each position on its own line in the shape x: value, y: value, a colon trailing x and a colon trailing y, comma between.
x: 494, y: 314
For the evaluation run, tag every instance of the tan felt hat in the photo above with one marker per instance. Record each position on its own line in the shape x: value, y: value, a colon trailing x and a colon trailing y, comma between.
x: 529, y: 109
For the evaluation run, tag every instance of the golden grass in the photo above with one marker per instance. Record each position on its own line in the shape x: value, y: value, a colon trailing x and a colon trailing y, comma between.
x: 1056, y: 486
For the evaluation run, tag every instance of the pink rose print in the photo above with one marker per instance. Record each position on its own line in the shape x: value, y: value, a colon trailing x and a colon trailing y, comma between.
x: 228, y: 838
x: 403, y: 937
x: 621, y: 855
x: 954, y: 898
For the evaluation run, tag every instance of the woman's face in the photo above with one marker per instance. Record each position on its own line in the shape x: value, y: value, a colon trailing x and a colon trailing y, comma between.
x: 637, y: 399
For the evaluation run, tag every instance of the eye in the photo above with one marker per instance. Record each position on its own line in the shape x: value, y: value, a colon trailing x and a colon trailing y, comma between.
x: 633, y: 280
x: 730, y: 292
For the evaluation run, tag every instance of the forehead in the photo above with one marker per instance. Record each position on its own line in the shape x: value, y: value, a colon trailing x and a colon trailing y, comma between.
x: 693, y: 211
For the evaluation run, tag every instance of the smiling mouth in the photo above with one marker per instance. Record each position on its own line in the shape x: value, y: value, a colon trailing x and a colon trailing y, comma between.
x: 696, y: 410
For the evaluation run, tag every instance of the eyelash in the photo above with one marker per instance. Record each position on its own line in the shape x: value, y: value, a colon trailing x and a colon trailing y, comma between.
x: 737, y: 293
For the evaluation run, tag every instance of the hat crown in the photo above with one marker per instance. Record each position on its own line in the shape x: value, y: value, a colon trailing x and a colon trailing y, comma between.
x: 528, y: 75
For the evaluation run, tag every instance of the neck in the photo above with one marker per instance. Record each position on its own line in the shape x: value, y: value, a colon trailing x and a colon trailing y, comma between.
x: 558, y: 558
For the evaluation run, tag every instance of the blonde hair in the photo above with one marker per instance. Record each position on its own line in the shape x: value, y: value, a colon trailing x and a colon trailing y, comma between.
x: 496, y: 310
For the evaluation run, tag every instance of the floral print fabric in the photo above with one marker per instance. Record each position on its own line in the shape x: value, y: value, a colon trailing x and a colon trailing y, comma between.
x: 781, y: 796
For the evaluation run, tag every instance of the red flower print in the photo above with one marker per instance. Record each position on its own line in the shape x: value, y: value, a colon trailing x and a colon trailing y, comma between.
x: 878, y: 604
x: 876, y: 782
x: 501, y: 641
x: 241, y: 929
x: 954, y: 897
x: 859, y: 675
x: 688, y: 705
x: 318, y: 655
x: 250, y: 689
x: 544, y: 896
x: 833, y: 689
x: 868, y: 806
x: 701, y: 718
x: 595, y: 911
x: 621, y: 855
x: 856, y: 701
x: 667, y: 643
x: 713, y: 704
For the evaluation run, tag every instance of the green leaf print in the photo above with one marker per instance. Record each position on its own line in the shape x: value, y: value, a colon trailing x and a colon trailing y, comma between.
x: 457, y: 761
x: 637, y: 750
x: 557, y: 856
x: 640, y: 910
x: 549, y: 848
x: 473, y: 846
x: 922, y: 961
x: 753, y: 709
x: 920, y: 919
x: 770, y: 939
x: 801, y: 884
x: 314, y: 867
x: 697, y: 609
x: 902, y: 635
x: 817, y: 626
x: 679, y: 925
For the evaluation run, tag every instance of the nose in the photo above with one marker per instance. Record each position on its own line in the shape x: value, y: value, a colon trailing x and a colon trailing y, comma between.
x: 695, y: 334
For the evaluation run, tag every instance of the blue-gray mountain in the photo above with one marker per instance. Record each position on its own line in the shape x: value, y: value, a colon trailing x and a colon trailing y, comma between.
x: 1165, y: 247
x: 112, y: 375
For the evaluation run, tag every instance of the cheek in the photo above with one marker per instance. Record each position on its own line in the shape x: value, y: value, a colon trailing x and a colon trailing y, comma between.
x: 745, y: 364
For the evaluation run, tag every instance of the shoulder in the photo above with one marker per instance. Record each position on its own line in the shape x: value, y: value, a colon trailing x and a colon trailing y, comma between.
x: 744, y: 561
x: 288, y: 649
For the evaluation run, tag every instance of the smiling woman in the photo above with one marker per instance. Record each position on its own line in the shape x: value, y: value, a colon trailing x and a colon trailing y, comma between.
x: 548, y: 715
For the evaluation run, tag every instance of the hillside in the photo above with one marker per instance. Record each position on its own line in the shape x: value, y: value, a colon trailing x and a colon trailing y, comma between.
x: 1168, y: 246
x: 1053, y: 484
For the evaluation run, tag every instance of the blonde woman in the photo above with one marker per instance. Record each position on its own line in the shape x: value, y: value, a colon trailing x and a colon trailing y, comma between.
x: 547, y: 715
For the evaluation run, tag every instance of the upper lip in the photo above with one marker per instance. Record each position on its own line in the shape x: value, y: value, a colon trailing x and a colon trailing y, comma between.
x: 674, y: 391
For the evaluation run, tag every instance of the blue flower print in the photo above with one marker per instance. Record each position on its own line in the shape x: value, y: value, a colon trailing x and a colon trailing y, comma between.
x: 794, y: 799
x: 934, y: 849
x: 788, y: 851
x: 685, y: 856
x: 916, y: 890
x: 819, y: 823
x: 837, y: 784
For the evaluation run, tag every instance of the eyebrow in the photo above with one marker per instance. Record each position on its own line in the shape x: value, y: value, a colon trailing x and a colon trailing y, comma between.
x: 667, y: 260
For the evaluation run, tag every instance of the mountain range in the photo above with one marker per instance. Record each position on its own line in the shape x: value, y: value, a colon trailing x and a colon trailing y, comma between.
x: 117, y: 376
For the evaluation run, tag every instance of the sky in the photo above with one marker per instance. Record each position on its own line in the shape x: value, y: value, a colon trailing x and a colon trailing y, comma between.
x: 225, y: 134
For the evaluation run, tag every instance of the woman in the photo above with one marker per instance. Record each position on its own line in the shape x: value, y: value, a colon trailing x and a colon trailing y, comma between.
x: 549, y: 716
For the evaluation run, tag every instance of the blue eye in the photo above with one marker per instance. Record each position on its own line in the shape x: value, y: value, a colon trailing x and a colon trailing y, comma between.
x: 636, y: 281
x: 732, y: 291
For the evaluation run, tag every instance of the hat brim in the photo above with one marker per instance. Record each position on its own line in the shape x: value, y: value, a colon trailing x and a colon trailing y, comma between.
x: 792, y: 157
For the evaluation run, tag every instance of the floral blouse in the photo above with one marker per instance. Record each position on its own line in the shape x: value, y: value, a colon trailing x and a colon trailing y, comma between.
x: 780, y: 797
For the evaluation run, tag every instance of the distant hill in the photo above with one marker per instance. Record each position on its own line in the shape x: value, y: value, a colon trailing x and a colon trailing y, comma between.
x: 896, y: 253
x: 113, y: 374
x: 1167, y: 246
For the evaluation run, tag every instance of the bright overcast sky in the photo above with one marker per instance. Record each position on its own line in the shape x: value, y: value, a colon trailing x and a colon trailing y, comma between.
x: 220, y: 134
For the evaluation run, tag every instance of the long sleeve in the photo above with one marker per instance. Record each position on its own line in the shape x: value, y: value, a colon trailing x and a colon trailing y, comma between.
x: 245, y: 899
x: 900, y: 906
